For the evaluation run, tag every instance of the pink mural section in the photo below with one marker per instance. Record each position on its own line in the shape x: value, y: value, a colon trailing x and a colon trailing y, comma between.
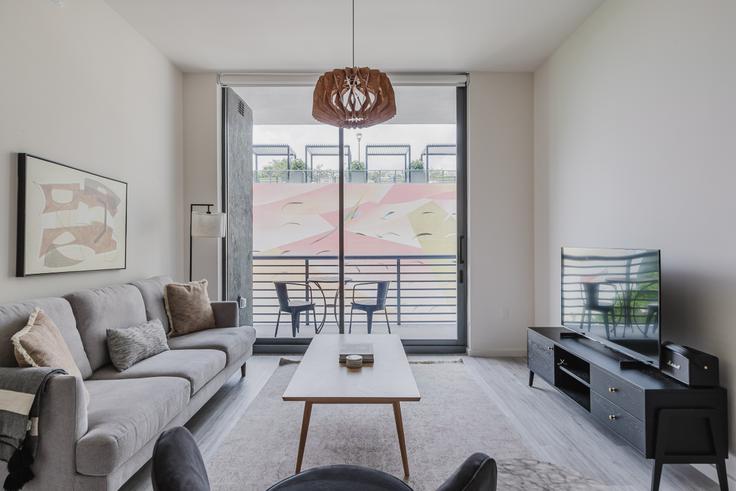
x: 380, y: 219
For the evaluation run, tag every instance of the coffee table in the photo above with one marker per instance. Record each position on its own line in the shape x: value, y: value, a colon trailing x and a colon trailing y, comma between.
x: 320, y: 379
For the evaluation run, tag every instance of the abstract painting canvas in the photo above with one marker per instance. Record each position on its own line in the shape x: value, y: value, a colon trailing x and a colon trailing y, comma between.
x: 68, y: 219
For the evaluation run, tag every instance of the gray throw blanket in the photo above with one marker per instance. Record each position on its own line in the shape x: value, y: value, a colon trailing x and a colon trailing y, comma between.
x: 20, y: 405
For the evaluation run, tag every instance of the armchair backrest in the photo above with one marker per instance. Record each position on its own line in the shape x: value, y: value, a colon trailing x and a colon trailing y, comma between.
x: 177, y: 464
x: 477, y: 473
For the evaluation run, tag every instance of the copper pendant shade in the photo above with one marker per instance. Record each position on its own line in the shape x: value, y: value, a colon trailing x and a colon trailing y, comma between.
x: 353, y: 98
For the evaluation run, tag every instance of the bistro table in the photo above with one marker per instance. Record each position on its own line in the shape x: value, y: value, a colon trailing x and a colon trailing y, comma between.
x: 319, y: 280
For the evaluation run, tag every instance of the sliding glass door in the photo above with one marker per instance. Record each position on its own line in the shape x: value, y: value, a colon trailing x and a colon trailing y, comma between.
x: 401, y: 225
x: 402, y: 220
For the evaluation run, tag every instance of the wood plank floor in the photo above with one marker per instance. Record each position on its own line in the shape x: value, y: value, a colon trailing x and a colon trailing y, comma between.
x: 554, y: 428
x: 557, y: 430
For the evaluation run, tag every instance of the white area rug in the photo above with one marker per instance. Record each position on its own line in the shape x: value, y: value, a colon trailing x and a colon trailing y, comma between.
x: 454, y: 419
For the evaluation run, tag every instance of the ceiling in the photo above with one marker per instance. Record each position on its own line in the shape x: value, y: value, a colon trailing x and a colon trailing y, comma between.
x: 395, y: 35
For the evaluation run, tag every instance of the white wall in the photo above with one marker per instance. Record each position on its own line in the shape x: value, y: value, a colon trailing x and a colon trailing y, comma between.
x: 78, y: 85
x: 500, y: 212
x: 635, y: 141
x: 202, y: 171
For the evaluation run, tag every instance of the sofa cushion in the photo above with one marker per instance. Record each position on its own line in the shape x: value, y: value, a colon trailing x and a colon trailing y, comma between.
x: 101, y: 309
x: 14, y: 317
x: 123, y: 416
x: 152, y: 290
x: 234, y: 341
x: 196, y: 366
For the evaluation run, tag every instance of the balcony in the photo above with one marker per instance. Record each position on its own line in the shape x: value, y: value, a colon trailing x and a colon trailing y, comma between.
x: 422, y: 299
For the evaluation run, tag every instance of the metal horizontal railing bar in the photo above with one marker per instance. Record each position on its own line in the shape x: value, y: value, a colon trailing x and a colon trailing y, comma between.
x: 358, y: 321
x: 365, y: 265
x: 347, y: 285
x: 449, y: 316
x: 391, y: 290
x: 426, y: 313
x: 423, y: 287
x: 418, y: 261
x: 348, y: 256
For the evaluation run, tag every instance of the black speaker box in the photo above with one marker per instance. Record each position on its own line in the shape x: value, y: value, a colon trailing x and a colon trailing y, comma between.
x: 690, y: 366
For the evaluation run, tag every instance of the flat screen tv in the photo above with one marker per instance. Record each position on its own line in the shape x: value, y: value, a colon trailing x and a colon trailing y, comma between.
x: 612, y: 296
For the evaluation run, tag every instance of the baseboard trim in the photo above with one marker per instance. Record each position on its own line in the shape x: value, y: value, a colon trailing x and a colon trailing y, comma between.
x: 509, y: 353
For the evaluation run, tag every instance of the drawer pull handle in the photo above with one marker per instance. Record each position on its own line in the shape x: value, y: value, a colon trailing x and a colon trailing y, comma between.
x: 612, y: 389
x: 612, y: 417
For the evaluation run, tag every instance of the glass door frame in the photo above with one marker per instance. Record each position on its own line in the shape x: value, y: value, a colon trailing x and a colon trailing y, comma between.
x: 431, y: 346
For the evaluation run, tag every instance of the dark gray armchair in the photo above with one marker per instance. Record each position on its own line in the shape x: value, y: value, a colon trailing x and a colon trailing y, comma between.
x: 178, y: 466
x: 477, y: 473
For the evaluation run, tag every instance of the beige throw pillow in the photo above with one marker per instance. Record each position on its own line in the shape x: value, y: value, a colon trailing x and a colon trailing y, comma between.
x: 40, y: 344
x: 188, y: 307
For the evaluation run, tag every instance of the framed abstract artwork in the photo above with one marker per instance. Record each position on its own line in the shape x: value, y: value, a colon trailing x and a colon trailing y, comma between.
x: 68, y: 219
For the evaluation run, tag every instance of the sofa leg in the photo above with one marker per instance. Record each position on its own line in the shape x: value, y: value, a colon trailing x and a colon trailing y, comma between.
x: 242, y: 371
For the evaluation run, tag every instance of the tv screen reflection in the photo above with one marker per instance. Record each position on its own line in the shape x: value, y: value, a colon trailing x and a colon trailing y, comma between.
x: 612, y: 295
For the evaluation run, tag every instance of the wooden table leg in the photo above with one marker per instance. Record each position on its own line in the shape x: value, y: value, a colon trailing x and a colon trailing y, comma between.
x: 402, y: 441
x: 303, y: 436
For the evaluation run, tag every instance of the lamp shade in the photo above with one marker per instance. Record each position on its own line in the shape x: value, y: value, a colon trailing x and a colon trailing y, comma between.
x: 209, y: 224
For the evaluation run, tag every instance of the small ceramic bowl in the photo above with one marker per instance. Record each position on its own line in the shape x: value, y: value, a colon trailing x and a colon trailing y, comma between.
x: 354, y: 361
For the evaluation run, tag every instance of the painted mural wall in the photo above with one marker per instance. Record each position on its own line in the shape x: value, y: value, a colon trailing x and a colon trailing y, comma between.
x: 380, y: 219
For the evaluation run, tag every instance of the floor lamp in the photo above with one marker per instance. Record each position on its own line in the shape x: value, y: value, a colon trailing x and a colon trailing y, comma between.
x: 205, y: 224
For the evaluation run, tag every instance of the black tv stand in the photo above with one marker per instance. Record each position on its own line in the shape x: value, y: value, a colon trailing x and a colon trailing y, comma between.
x: 628, y: 364
x: 634, y: 400
x: 570, y: 335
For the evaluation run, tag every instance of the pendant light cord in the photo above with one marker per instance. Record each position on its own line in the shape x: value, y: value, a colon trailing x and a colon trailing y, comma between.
x: 353, y: 33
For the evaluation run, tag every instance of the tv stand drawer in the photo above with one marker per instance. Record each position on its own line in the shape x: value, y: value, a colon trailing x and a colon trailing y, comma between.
x: 618, y: 391
x: 619, y: 421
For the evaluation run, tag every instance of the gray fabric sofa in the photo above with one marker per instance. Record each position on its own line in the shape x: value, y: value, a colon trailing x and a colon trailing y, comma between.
x: 101, y: 446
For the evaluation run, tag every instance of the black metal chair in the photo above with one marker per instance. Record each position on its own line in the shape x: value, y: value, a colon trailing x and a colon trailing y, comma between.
x: 477, y: 473
x: 591, y: 303
x: 370, y: 306
x: 293, y: 307
x: 177, y: 464
x: 652, y: 318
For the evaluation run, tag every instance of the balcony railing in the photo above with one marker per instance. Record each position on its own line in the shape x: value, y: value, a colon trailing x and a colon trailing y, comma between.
x: 423, y: 288
x: 270, y: 176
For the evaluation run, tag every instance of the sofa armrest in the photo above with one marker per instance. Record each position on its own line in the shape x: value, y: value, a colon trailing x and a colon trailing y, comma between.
x: 227, y: 313
x: 62, y: 421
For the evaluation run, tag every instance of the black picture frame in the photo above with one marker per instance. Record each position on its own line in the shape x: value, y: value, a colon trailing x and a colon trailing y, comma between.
x: 22, y: 241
